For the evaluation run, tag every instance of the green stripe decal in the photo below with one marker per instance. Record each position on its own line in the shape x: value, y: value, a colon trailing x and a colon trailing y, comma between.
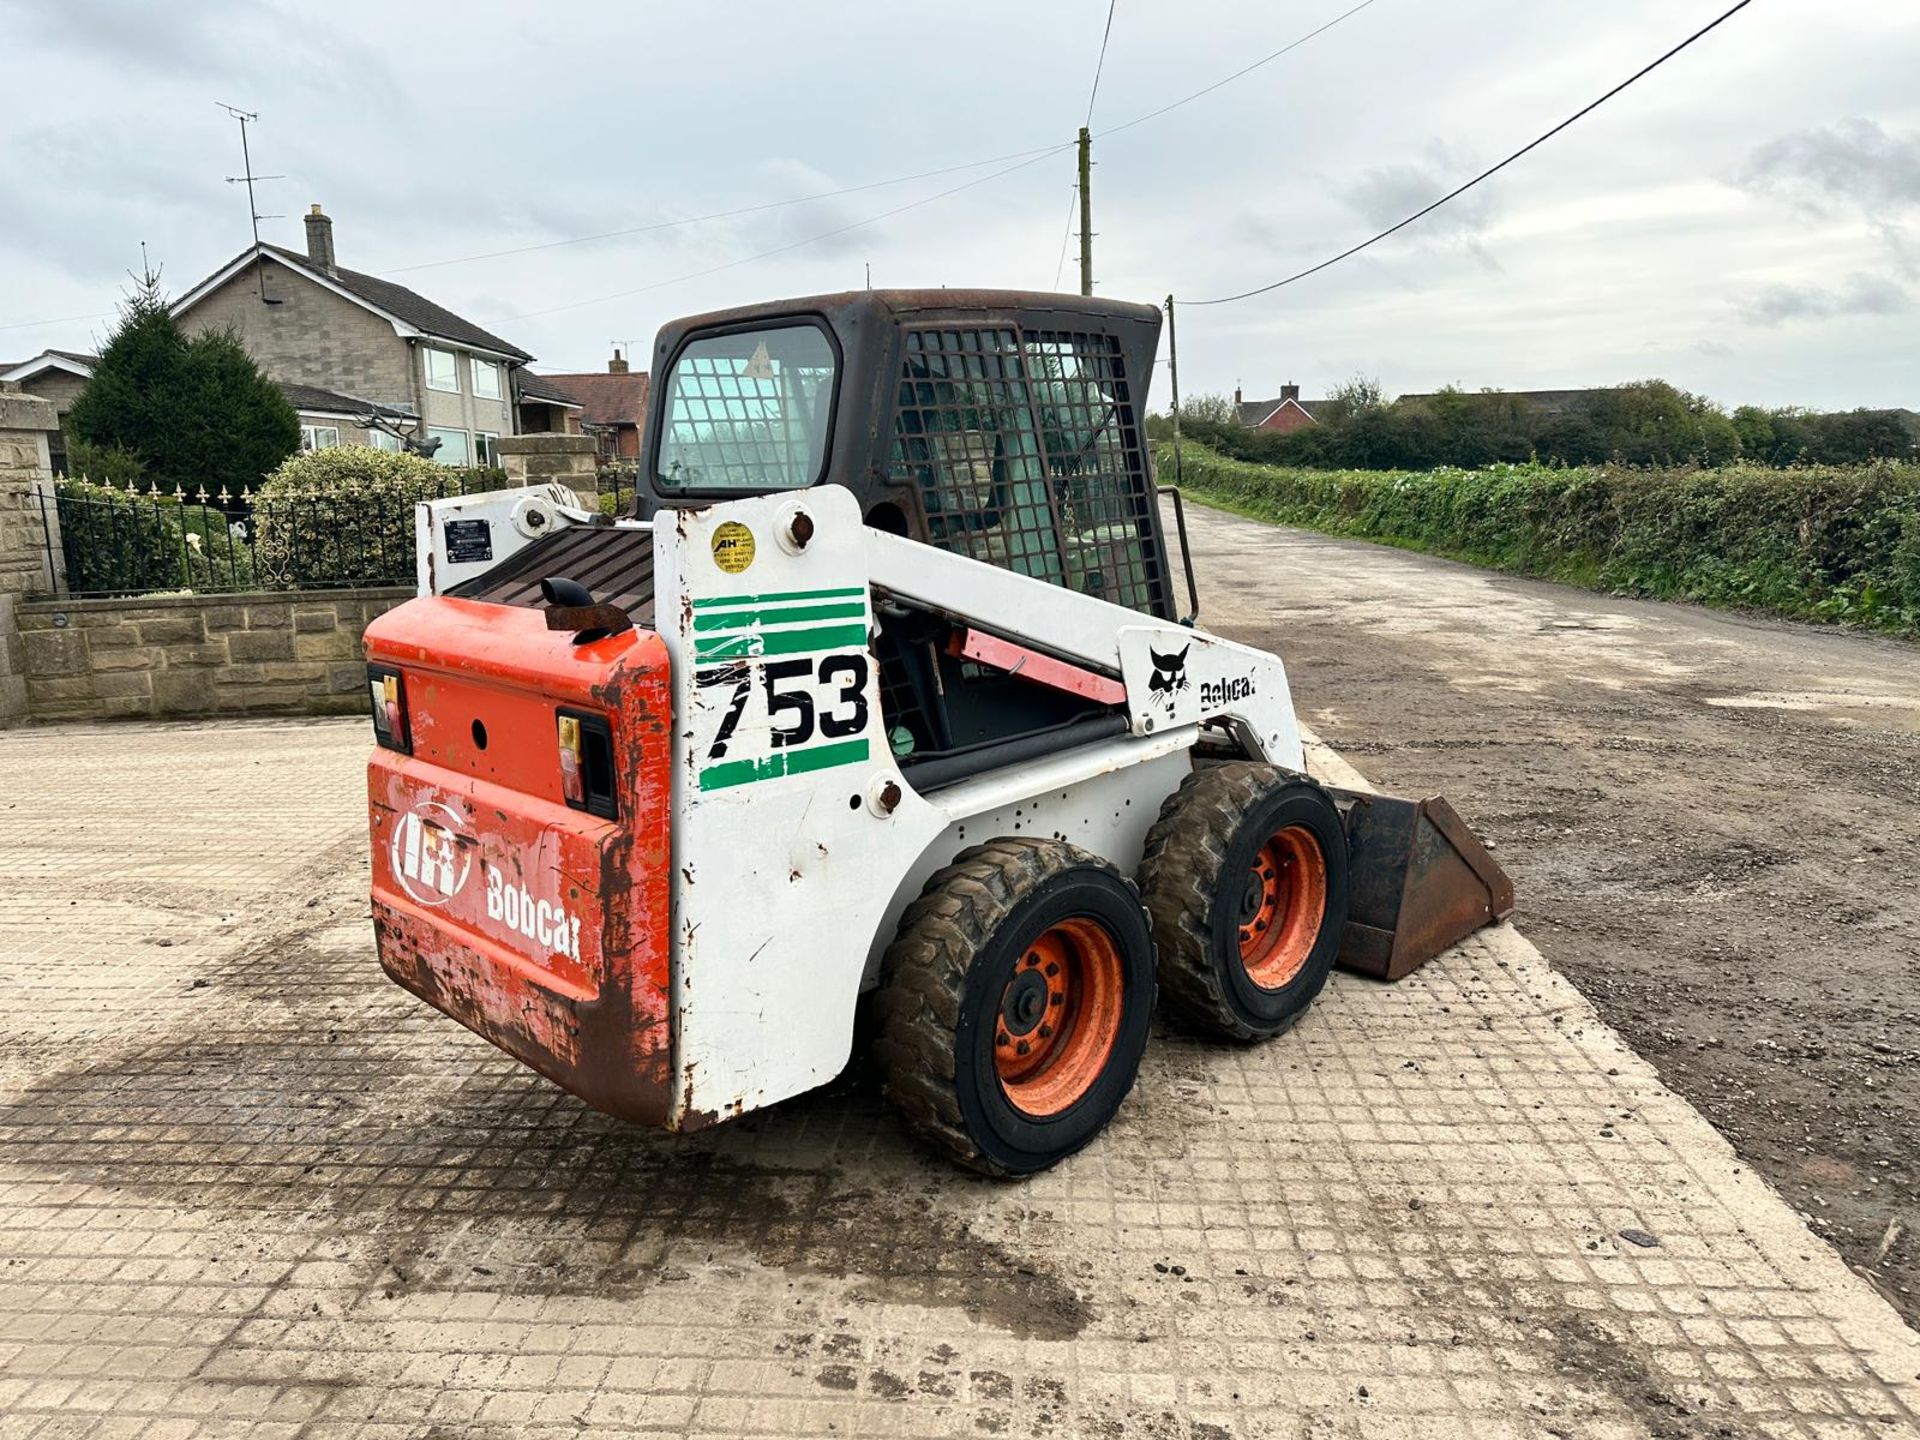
x: 784, y: 762
x: 710, y: 648
x: 720, y: 602
x: 779, y: 615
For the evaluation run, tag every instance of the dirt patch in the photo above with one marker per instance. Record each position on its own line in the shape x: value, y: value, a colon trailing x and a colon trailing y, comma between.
x: 1732, y: 884
x: 349, y: 1103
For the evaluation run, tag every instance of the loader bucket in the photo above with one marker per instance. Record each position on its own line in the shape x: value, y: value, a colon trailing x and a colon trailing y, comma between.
x: 1421, y: 880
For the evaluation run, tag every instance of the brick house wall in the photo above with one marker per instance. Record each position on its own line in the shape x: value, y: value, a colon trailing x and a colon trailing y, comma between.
x: 1288, y: 418
x: 312, y: 337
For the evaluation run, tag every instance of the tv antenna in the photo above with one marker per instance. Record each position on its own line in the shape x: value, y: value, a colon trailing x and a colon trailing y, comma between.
x: 246, y: 118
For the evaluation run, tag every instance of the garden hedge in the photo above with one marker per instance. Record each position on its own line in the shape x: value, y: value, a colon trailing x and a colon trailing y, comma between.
x: 1831, y: 542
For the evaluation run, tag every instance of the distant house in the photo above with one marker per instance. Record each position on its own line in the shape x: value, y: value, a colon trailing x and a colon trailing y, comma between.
x: 545, y: 407
x: 613, y: 405
x: 325, y: 416
x: 349, y: 347
x: 59, y: 376
x: 1289, y: 412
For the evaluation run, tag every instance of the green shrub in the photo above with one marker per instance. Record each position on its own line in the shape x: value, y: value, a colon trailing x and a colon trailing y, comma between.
x: 1834, y: 542
x: 343, y: 516
x: 103, y: 464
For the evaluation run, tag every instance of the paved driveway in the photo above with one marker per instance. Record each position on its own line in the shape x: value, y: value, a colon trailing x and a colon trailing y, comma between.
x: 247, y: 1187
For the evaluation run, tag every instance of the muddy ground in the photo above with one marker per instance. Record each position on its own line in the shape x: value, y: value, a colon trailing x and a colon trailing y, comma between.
x: 1713, y: 823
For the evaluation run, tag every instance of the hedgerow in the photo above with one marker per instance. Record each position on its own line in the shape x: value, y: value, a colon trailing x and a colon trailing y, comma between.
x: 1831, y: 542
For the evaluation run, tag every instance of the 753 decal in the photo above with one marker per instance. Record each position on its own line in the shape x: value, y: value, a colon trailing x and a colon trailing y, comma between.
x: 761, y: 719
x: 804, y: 697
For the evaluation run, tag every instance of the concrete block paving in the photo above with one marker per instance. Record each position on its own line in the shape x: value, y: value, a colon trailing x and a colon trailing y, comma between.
x: 250, y: 1188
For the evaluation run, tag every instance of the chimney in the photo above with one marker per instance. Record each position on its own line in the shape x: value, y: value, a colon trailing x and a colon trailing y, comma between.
x: 320, y: 239
x: 1236, y: 396
x: 1289, y: 391
x: 617, y: 365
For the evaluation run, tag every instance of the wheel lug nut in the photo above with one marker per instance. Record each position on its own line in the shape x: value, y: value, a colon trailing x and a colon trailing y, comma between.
x: 1022, y: 1048
x: 1046, y: 1032
x: 1053, y: 968
x: 1058, y: 1000
x: 1002, y: 1038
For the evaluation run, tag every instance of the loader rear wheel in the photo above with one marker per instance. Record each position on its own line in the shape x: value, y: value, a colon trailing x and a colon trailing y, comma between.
x: 1014, y: 1004
x: 1245, y: 876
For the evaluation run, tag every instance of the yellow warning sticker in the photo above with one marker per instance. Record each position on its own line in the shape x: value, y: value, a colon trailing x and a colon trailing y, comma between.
x: 733, y: 547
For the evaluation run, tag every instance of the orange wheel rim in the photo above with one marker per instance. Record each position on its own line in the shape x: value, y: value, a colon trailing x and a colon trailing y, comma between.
x: 1282, y: 906
x: 1059, y: 1017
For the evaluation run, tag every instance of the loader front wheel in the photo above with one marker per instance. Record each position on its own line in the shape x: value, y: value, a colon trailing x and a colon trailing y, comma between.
x: 1014, y: 1004
x: 1245, y: 876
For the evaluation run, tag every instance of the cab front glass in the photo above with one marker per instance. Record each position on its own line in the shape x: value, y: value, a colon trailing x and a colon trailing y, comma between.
x: 748, y: 411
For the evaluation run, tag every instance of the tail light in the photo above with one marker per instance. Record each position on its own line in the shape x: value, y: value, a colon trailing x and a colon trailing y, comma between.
x: 586, y: 763
x: 389, y: 695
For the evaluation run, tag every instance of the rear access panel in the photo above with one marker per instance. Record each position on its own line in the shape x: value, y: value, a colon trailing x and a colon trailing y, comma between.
x: 539, y: 926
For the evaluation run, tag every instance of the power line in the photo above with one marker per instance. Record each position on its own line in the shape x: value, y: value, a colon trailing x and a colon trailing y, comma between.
x: 1023, y: 156
x: 1066, y: 237
x: 792, y: 245
x: 719, y: 214
x: 1073, y: 194
x: 1101, y: 63
x: 898, y: 179
x: 1484, y: 174
x: 1247, y: 70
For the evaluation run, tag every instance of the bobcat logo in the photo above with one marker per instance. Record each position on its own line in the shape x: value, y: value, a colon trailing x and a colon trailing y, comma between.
x: 1169, y: 675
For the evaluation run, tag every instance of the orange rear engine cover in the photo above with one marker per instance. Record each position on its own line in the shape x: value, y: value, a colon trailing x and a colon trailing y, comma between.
x: 535, y: 924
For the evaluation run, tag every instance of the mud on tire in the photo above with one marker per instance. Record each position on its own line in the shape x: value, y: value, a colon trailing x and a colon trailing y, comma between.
x: 1014, y: 1004
x: 1245, y: 877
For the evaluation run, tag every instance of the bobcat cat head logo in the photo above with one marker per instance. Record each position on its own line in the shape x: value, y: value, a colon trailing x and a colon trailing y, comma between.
x: 1169, y: 675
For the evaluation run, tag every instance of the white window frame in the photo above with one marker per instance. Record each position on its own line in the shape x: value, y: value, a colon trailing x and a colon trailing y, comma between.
x: 483, y: 447
x: 452, y: 387
x: 311, y: 437
x: 489, y: 367
x: 446, y: 435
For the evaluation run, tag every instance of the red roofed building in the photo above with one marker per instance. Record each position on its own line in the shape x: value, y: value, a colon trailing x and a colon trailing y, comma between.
x: 613, y: 405
x: 1289, y: 412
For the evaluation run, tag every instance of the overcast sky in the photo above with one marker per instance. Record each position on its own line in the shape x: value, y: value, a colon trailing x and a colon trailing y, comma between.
x: 1744, y: 222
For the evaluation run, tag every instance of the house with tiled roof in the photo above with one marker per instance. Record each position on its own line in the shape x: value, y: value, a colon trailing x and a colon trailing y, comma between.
x: 613, y: 404
x: 365, y: 360
x: 1288, y: 412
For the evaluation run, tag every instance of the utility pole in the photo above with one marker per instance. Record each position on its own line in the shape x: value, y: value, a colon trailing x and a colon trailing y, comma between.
x: 248, y: 117
x: 1086, y: 211
x: 1173, y: 374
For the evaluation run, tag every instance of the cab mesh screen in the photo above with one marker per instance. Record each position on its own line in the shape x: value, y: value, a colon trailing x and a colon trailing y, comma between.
x: 1024, y: 449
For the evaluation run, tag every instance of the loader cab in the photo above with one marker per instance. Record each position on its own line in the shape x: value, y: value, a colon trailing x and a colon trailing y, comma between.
x: 1002, y: 425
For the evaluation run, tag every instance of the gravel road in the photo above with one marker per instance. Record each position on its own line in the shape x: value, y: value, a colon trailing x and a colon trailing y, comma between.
x: 1713, y: 823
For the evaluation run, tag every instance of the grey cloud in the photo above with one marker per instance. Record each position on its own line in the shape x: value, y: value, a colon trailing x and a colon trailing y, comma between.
x: 1387, y: 194
x: 1852, y: 163
x: 178, y: 37
x: 1857, y: 295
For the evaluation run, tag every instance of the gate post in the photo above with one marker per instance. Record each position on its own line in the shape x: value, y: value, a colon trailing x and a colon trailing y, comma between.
x: 26, y: 477
x: 572, y: 460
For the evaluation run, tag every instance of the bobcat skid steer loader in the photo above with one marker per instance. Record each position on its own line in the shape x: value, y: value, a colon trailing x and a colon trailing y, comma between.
x: 884, y: 689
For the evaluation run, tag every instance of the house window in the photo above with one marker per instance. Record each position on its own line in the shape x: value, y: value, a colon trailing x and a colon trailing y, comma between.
x: 443, y: 371
x: 483, y: 453
x: 381, y: 440
x: 319, y: 437
x: 486, y: 379
x: 453, y: 447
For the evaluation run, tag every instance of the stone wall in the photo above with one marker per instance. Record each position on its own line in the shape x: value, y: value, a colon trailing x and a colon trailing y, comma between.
x: 570, y: 460
x: 25, y: 423
x: 264, y: 653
